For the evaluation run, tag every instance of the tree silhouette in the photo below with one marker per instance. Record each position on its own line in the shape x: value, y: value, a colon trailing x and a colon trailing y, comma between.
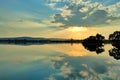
x: 100, y: 37
x: 94, y: 43
x: 114, y: 36
x: 115, y: 39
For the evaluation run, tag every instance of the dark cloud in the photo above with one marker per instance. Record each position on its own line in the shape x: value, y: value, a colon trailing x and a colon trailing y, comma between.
x: 85, y: 14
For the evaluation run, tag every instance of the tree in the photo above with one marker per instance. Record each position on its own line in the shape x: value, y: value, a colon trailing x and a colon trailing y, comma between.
x: 100, y: 37
x: 115, y: 39
x: 94, y: 43
x: 114, y: 36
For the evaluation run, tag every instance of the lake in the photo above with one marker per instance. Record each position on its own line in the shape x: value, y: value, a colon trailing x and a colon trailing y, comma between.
x: 57, y: 62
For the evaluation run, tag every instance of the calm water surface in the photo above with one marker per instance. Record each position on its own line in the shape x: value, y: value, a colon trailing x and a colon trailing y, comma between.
x: 56, y: 62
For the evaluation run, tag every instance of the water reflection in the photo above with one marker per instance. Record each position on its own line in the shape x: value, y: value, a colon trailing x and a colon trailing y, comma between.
x: 84, y: 68
x: 98, y: 48
x: 115, y: 52
x: 56, y: 62
x: 93, y: 45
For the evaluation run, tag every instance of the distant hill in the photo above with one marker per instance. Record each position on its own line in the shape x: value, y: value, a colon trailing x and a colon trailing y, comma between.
x: 29, y: 38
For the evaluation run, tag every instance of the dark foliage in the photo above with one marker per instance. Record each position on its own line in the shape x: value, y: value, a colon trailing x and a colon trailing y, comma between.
x: 94, y: 43
x: 115, y: 52
x: 115, y: 39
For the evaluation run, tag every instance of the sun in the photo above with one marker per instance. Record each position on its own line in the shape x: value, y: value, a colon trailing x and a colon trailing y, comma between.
x: 77, y: 29
x: 75, y: 32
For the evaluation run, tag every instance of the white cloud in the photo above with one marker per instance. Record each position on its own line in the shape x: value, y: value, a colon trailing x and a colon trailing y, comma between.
x: 66, y: 13
x: 28, y: 24
x: 86, y: 13
x: 113, y: 7
x: 55, y: 0
x: 52, y: 5
x: 23, y: 24
x: 65, y: 70
x: 51, y: 78
x: 49, y: 23
x: 109, y: 21
x: 84, y: 9
x: 84, y: 73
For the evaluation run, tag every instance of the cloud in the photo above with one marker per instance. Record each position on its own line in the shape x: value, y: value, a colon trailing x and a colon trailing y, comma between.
x: 23, y: 24
x: 48, y: 23
x: 84, y: 73
x: 86, y: 13
x: 72, y: 68
x: 52, y: 5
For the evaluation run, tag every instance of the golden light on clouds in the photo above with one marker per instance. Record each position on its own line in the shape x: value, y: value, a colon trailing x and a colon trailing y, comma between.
x: 74, y: 32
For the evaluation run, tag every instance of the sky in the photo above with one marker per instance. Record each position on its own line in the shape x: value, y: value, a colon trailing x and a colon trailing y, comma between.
x: 76, y: 19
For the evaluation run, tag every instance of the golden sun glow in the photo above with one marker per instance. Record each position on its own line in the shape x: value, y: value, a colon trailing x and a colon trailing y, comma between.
x: 74, y: 32
x: 77, y: 29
